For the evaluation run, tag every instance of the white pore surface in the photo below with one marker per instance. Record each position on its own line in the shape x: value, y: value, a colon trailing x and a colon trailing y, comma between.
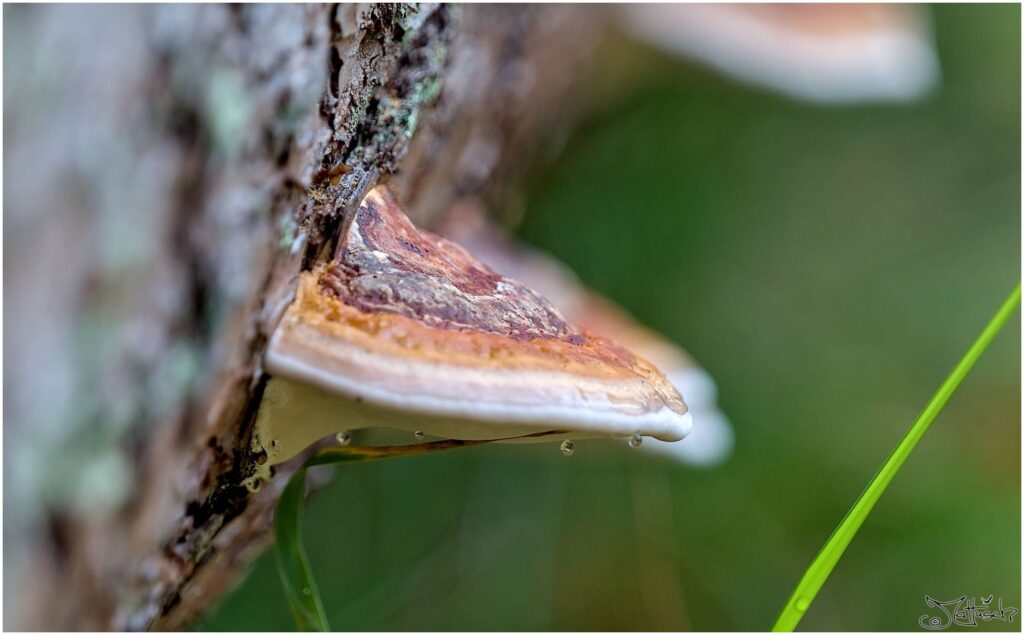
x: 711, y: 440
x: 894, y: 62
x: 488, y: 402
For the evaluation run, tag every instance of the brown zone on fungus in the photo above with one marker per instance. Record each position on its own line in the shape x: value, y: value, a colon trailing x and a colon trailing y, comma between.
x: 386, y: 265
x: 410, y: 294
x: 402, y: 336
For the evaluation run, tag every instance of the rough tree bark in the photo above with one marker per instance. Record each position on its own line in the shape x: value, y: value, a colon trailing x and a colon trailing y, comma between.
x: 170, y: 171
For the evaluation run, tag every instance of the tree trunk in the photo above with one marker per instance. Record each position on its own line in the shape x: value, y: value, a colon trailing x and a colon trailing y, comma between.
x: 171, y: 170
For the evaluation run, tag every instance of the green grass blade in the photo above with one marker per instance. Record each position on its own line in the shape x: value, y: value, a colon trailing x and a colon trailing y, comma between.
x: 292, y: 561
x: 826, y: 560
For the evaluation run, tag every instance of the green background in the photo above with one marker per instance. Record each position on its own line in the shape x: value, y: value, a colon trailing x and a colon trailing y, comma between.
x: 828, y: 266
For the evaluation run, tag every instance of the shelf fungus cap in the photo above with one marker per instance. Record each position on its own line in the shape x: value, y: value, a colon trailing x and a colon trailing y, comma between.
x: 830, y: 53
x: 410, y: 331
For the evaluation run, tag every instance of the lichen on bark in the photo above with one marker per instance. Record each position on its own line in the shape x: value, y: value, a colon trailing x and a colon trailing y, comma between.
x: 186, y: 163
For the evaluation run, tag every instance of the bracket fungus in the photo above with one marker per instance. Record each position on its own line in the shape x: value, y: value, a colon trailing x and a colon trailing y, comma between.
x: 405, y: 329
x: 831, y: 53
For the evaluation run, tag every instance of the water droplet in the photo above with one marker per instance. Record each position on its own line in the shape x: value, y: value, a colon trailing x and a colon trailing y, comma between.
x: 344, y: 438
x: 636, y: 441
x: 418, y: 434
x: 306, y: 591
x: 802, y: 604
x: 568, y: 447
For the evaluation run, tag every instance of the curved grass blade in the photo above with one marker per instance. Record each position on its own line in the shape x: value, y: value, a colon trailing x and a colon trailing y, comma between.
x: 292, y: 562
x: 826, y: 560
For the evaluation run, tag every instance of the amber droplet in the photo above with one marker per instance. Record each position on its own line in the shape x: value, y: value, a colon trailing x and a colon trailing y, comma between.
x: 337, y: 171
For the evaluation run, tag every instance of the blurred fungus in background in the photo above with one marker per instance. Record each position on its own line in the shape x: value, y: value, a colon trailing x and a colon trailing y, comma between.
x: 827, y: 53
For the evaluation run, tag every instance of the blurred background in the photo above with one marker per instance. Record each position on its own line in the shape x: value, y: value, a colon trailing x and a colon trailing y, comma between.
x: 827, y: 266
